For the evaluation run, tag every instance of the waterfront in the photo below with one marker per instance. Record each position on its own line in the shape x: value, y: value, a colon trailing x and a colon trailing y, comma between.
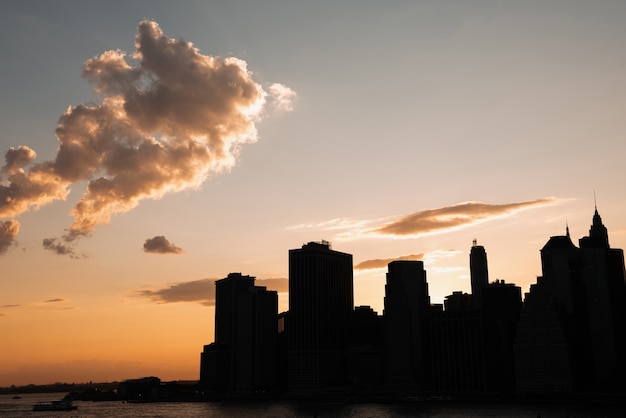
x: 18, y: 408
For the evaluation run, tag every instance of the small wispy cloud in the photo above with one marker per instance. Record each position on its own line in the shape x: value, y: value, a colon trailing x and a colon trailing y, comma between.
x: 282, y: 97
x: 8, y: 232
x: 55, y: 300
x: 450, y: 269
x: 161, y: 245
x: 429, y: 258
x: 336, y: 224
x: 382, y: 262
x: 432, y: 257
x: 200, y: 291
x: 60, y: 247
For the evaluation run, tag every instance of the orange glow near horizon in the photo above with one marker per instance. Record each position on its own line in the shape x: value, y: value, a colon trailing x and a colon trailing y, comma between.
x: 141, y: 160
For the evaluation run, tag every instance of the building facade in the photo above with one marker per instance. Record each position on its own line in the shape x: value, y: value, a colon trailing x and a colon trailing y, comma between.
x: 571, y: 332
x: 406, y: 317
x: 321, y: 300
x: 242, y: 357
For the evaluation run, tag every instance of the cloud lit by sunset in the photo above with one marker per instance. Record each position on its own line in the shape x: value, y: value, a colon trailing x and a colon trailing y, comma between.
x: 165, y: 122
x: 462, y: 214
x: 161, y: 245
x: 200, y: 291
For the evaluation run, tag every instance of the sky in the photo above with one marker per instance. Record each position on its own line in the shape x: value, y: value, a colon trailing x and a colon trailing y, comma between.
x: 152, y: 147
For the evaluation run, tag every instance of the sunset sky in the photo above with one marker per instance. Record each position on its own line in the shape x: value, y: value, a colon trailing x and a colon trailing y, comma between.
x: 152, y: 147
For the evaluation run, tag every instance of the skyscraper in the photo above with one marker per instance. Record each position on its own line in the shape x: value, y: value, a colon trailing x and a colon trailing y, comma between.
x: 571, y: 331
x: 603, y: 280
x: 321, y: 300
x: 243, y: 355
x: 478, y: 273
x: 407, y: 305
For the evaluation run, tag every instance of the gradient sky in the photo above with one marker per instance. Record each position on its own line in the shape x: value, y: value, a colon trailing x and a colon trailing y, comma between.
x: 394, y: 130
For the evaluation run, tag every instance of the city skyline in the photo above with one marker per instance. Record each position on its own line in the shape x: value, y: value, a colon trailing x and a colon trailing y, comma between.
x: 403, y: 133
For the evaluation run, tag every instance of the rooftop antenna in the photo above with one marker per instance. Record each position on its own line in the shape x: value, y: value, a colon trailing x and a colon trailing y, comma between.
x: 595, y: 203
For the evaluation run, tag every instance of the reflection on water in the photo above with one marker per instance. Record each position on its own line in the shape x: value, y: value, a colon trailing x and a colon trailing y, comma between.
x: 17, y: 408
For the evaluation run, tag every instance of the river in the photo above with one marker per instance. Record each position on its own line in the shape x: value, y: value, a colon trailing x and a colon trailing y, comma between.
x: 22, y: 407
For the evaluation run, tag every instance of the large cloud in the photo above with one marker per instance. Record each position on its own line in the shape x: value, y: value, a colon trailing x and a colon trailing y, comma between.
x: 202, y: 291
x: 161, y: 245
x: 167, y: 120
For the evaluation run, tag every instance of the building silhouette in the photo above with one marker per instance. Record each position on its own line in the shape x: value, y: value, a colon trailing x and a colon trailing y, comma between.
x: 568, y: 335
x: 479, y: 274
x: 321, y: 301
x: 571, y: 332
x: 500, y: 314
x: 406, y: 316
x: 243, y: 356
x: 457, y: 348
x: 602, y: 273
x: 365, y: 364
x: 472, y: 337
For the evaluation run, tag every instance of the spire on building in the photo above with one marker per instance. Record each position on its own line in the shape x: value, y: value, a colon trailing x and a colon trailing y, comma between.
x: 598, y: 234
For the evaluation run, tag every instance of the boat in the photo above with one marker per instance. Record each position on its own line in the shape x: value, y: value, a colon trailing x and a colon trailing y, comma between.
x: 62, y: 405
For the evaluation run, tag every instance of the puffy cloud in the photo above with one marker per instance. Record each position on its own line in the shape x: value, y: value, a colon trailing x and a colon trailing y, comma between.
x: 160, y: 245
x: 202, y: 291
x: 17, y: 158
x: 8, y: 232
x: 282, y: 97
x: 169, y: 117
x: 22, y: 191
x: 382, y: 262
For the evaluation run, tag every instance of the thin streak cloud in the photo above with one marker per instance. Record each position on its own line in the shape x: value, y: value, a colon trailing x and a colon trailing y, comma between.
x: 201, y: 291
x: 430, y: 258
x: 382, y: 262
x: 440, y: 220
x: 455, y: 216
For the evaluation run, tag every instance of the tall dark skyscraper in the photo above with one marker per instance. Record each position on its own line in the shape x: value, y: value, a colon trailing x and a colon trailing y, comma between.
x: 227, y: 294
x: 321, y: 300
x: 478, y: 273
x: 407, y: 305
x: 603, y: 279
x: 571, y: 331
x: 243, y: 355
